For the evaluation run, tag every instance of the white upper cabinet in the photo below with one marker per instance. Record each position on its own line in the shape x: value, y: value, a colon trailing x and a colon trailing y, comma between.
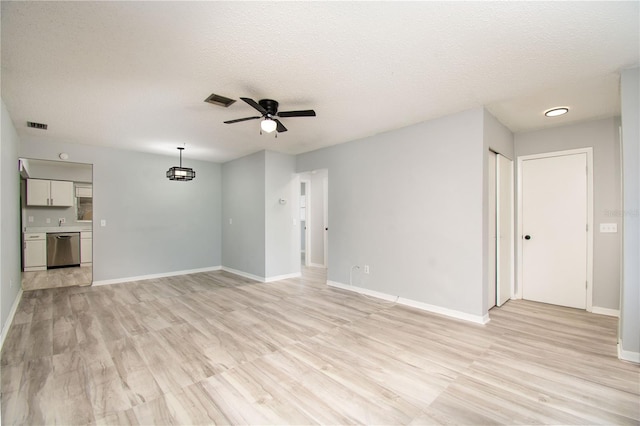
x: 38, y: 192
x: 84, y: 191
x: 42, y: 192
x: 61, y: 193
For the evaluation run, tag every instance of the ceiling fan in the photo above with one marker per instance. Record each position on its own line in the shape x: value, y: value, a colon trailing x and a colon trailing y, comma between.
x: 269, y: 110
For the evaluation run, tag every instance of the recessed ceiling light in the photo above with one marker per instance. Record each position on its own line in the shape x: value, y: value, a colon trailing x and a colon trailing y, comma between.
x: 554, y: 112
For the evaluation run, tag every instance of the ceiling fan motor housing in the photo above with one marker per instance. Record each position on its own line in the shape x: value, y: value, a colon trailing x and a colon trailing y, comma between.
x: 269, y: 105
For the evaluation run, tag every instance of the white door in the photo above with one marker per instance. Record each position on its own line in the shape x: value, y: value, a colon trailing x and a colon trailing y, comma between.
x: 504, y: 229
x: 492, y: 250
x: 325, y: 215
x: 554, y: 228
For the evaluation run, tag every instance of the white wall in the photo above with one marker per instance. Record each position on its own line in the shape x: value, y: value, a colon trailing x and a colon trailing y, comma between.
x: 10, y: 246
x: 154, y: 225
x: 630, y: 309
x: 409, y: 203
x: 243, y: 202
x: 603, y: 137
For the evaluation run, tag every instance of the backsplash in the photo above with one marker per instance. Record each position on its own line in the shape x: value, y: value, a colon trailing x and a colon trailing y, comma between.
x: 40, y: 215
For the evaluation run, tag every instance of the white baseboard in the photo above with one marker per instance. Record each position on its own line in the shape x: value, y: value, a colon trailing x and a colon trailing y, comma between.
x: 413, y: 303
x: 153, y: 276
x: 628, y: 355
x: 282, y: 277
x: 259, y: 278
x: 195, y: 271
x: 365, y: 291
x: 316, y: 265
x: 242, y: 274
x: 605, y: 311
x: 12, y: 314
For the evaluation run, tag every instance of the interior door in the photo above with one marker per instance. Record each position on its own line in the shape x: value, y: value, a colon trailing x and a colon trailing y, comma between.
x: 504, y: 228
x: 492, y: 241
x: 554, y: 225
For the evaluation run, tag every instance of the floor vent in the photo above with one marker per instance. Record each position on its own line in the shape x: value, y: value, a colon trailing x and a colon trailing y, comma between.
x: 219, y: 100
x: 37, y: 125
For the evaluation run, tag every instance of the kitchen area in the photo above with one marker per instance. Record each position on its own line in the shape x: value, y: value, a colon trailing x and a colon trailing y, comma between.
x: 57, y: 224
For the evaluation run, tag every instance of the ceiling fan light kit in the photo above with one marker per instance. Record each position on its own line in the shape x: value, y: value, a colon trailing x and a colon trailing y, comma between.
x: 269, y: 110
x: 181, y: 173
x: 268, y: 125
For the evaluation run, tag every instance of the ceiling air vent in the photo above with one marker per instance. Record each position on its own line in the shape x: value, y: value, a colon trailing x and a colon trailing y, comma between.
x: 219, y: 100
x: 37, y: 125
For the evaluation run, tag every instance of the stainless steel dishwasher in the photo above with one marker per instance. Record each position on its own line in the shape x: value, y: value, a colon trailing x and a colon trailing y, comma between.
x: 63, y: 249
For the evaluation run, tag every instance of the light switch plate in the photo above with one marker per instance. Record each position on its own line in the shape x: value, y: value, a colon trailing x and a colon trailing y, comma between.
x: 610, y: 228
x: 103, y: 222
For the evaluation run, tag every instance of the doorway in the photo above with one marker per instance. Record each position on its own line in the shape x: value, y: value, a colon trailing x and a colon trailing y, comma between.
x: 555, y: 227
x: 501, y: 225
x: 56, y: 201
x: 314, y: 232
x: 305, y: 185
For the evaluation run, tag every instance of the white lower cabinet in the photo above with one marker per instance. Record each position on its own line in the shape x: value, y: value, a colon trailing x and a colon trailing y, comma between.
x: 35, y: 251
x: 86, y: 247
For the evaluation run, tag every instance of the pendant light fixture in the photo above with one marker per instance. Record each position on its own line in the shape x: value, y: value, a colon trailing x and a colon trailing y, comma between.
x: 181, y: 173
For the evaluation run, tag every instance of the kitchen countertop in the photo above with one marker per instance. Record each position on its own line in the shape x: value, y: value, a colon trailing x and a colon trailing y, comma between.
x: 50, y: 229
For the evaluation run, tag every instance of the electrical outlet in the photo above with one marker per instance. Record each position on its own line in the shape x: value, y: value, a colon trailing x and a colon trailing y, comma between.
x: 30, y: 219
x: 103, y: 222
x: 62, y: 220
x: 609, y: 228
x: 48, y: 220
x: 366, y: 269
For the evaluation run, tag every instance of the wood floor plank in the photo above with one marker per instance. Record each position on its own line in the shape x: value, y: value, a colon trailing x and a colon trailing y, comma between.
x: 215, y: 348
x: 138, y: 382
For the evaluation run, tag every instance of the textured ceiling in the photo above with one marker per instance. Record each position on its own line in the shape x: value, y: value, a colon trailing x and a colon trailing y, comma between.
x: 134, y: 75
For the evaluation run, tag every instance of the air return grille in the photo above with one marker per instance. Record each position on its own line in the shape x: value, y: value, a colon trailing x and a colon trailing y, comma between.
x: 35, y: 125
x: 219, y: 100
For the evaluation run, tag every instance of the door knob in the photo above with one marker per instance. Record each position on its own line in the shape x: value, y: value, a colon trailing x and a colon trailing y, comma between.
x: 527, y: 237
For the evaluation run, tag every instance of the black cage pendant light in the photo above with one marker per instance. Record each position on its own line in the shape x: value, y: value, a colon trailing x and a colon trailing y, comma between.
x: 181, y: 173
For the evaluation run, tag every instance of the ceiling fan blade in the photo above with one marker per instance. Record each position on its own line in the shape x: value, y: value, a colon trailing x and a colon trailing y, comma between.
x: 241, y: 119
x: 256, y: 105
x: 280, y: 128
x: 303, y: 113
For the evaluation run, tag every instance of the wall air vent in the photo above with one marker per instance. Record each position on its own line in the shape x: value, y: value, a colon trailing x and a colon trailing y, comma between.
x: 37, y: 125
x: 219, y: 100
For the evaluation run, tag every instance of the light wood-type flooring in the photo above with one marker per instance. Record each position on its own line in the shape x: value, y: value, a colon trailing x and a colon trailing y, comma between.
x: 215, y: 348
x: 59, y: 277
